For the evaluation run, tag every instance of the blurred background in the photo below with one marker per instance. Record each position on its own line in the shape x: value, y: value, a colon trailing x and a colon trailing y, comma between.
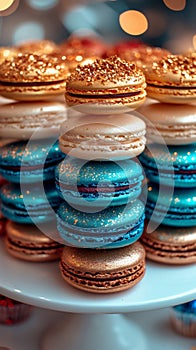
x: 165, y: 23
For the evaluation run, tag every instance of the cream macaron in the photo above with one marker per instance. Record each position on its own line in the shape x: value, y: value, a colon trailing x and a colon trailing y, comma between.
x: 172, y: 79
x: 119, y: 136
x: 21, y: 120
x: 169, y: 123
x: 106, y: 86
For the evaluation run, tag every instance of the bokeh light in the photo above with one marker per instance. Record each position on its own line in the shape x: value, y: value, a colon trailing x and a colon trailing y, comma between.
x: 5, y: 4
x: 133, y: 22
x: 80, y: 17
x: 175, y: 5
x: 28, y: 31
x: 42, y: 4
x: 7, y: 7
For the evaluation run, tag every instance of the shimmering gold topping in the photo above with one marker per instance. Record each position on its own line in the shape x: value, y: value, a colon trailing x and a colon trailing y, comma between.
x: 146, y: 55
x: 112, y: 69
x: 33, y: 67
x: 180, y: 65
x: 38, y: 47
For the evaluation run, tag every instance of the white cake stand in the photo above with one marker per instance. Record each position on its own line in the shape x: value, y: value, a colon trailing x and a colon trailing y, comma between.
x: 93, y: 321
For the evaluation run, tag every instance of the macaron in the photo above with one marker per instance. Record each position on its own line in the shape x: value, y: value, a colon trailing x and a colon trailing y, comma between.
x: 32, y: 205
x: 183, y: 319
x: 144, y: 55
x: 103, y: 271
x: 182, y: 205
x: 170, y: 123
x: 172, y: 79
x: 29, y: 162
x: 37, y: 47
x: 111, y: 227
x: 98, y: 183
x: 91, y: 44
x: 7, y: 52
x: 106, y: 86
x: 117, y: 137
x: 170, y: 245
x: 31, y: 77
x: 170, y: 165
x: 38, y: 119
x: 27, y: 242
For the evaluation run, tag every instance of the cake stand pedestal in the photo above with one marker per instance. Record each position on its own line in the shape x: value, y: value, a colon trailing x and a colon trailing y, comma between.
x: 94, y: 321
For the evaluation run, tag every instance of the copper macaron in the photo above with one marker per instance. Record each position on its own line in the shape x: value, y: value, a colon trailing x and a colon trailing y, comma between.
x: 103, y: 271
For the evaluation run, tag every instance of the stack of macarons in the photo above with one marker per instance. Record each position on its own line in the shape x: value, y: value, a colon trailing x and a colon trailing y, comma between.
x: 101, y: 217
x: 32, y: 81
x: 169, y: 160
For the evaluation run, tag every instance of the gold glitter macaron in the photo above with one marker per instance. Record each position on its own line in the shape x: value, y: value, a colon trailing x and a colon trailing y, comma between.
x: 170, y: 245
x: 7, y: 53
x: 144, y: 56
x: 30, y: 77
x: 103, y: 271
x: 27, y: 242
x: 172, y: 79
x: 106, y: 86
x: 38, y: 47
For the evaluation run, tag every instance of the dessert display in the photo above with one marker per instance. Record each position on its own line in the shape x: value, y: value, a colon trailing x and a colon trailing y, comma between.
x: 92, y: 174
x: 169, y: 161
x: 100, y: 181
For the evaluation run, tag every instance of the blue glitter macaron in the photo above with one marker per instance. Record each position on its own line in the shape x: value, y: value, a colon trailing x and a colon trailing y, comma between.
x: 183, y: 318
x: 97, y: 183
x: 113, y: 227
x: 182, y: 205
x: 30, y: 206
x: 30, y: 162
x: 173, y: 164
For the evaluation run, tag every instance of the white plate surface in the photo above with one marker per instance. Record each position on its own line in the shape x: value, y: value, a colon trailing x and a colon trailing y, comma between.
x: 41, y: 284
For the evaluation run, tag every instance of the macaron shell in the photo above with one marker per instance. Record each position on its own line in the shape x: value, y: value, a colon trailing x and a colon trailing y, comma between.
x: 99, y: 228
x: 28, y: 243
x: 98, y: 182
x: 40, y: 119
x: 30, y: 162
x: 176, y: 124
x: 182, y: 205
x: 171, y: 245
x: 29, y: 206
x: 120, y: 136
x: 103, y: 271
x: 175, y: 163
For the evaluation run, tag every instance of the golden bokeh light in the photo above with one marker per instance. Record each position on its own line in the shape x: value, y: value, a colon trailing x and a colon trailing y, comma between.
x: 5, y: 4
x: 133, y: 22
x: 175, y: 5
x: 194, y: 42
